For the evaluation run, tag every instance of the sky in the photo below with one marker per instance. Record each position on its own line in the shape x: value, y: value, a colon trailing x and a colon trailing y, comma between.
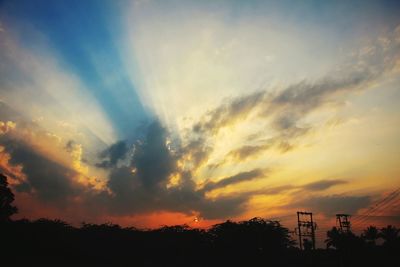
x: 153, y: 113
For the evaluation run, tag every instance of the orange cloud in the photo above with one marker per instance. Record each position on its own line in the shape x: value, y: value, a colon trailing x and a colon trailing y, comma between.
x: 7, y: 126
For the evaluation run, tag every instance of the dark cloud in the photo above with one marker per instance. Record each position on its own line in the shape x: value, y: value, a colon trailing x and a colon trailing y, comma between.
x: 49, y: 180
x: 122, y: 181
x: 141, y: 185
x: 322, y: 185
x: 153, y: 160
x: 111, y: 155
x: 223, y: 207
x: 23, y: 187
x: 333, y: 204
x: 137, y: 182
x: 130, y: 197
x: 238, y: 178
x: 69, y: 146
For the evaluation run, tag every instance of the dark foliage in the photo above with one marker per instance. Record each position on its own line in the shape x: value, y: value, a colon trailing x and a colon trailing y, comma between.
x: 6, y: 198
x: 353, y: 250
x: 246, y: 243
x: 256, y: 242
x: 53, y: 241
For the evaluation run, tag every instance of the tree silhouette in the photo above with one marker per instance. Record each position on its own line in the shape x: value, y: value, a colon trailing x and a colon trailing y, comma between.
x: 256, y: 234
x: 389, y: 234
x: 342, y: 240
x: 307, y: 244
x: 370, y: 235
x: 256, y: 242
x: 334, y: 238
x: 6, y: 198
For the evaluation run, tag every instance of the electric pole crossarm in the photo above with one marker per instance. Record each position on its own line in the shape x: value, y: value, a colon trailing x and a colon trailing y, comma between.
x: 306, y: 228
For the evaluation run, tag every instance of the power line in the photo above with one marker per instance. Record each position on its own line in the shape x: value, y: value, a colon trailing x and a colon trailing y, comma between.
x: 378, y: 209
x: 380, y: 203
x: 390, y: 201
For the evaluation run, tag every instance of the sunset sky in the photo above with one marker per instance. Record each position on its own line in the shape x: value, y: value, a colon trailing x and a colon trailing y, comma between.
x: 149, y: 112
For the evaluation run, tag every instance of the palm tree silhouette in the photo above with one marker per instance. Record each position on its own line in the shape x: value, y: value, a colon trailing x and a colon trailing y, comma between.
x: 370, y: 235
x: 334, y: 238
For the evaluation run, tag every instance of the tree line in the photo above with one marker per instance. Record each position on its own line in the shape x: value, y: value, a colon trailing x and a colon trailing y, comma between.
x: 244, y: 243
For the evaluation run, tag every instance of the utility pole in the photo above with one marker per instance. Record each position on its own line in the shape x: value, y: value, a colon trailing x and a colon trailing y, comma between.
x: 305, y: 227
x: 299, y: 230
x: 343, y: 221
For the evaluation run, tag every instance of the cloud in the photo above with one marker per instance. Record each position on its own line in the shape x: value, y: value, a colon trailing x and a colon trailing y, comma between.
x: 137, y: 184
x: 286, y: 107
x: 143, y: 177
x: 284, y: 112
x: 333, y: 204
x: 153, y: 160
x: 248, y: 151
x: 322, y: 185
x: 228, y: 113
x: 282, y: 143
x: 224, y: 207
x: 139, y: 173
x: 316, y: 186
x: 49, y: 180
x: 140, y: 184
x: 197, y: 151
x: 112, y: 155
x: 137, y: 178
x: 131, y: 197
x: 7, y: 126
x: 235, y: 179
